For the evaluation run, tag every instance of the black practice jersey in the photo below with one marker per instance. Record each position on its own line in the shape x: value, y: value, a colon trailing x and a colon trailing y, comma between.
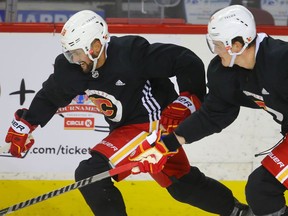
x: 266, y: 87
x: 132, y: 86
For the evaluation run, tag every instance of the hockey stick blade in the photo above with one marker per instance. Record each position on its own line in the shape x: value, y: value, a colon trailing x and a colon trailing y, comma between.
x: 76, y: 185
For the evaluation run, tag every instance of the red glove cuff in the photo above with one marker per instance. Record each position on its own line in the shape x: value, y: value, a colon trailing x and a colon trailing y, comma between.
x: 20, y: 125
x: 193, y: 98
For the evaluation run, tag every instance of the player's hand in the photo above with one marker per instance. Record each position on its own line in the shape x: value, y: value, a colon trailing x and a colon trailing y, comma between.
x: 178, y: 110
x: 19, y: 134
x: 151, y: 154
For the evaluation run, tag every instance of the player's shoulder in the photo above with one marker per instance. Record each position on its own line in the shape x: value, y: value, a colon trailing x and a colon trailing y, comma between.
x: 128, y: 41
x: 275, y: 48
x: 63, y: 63
x: 63, y: 69
x: 60, y: 58
x: 217, y: 74
x: 127, y: 47
x: 216, y: 69
x: 273, y: 55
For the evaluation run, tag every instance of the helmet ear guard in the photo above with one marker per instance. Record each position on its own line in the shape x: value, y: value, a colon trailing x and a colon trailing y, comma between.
x: 229, y: 23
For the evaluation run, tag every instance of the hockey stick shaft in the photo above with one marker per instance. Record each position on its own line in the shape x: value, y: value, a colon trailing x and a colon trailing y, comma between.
x: 76, y: 185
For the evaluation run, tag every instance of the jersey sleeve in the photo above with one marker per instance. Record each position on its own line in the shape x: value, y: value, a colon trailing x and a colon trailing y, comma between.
x: 220, y: 108
x: 213, y: 116
x: 57, y: 91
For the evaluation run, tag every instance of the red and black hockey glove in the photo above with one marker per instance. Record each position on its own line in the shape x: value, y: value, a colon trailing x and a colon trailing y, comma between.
x: 178, y: 110
x: 152, y: 154
x: 19, y: 134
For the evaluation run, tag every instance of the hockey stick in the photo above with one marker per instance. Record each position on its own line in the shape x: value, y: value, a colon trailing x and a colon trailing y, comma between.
x: 5, y: 148
x: 78, y: 184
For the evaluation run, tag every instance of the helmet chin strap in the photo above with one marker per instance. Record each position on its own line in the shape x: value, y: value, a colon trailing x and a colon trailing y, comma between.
x: 233, y: 57
x: 95, y: 60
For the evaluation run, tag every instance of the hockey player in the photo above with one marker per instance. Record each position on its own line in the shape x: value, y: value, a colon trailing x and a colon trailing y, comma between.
x: 249, y: 70
x: 127, y: 79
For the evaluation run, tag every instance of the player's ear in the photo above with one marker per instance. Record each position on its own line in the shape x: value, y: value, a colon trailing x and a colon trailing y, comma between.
x: 236, y: 47
x: 95, y: 48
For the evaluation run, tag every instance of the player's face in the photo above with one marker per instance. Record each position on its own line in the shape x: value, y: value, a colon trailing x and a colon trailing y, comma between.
x: 86, y: 65
x: 219, y: 48
x: 222, y: 52
x: 79, y: 57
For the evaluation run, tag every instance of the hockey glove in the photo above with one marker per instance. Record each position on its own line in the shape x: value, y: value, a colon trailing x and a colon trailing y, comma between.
x: 19, y: 134
x: 178, y: 110
x: 151, y: 154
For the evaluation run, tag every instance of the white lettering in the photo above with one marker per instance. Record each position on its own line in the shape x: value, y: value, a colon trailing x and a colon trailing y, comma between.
x: 276, y: 160
x: 88, y: 123
x: 31, y: 18
x: 20, y: 18
x: 75, y: 123
x: 109, y: 145
x: 46, y: 18
x: 253, y: 95
x: 19, y: 127
x: 59, y: 18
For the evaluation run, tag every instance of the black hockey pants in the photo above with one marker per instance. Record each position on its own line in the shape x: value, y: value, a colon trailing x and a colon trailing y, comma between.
x: 194, y: 188
x: 203, y: 192
x: 264, y: 193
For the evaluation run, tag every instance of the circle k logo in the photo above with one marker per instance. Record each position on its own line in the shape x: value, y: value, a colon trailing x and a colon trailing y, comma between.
x: 78, y: 123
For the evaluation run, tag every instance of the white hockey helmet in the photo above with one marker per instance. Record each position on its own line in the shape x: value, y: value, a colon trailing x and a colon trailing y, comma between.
x: 228, y: 23
x: 81, y: 30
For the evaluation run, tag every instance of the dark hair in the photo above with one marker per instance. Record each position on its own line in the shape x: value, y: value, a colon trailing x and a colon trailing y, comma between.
x: 240, y: 40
